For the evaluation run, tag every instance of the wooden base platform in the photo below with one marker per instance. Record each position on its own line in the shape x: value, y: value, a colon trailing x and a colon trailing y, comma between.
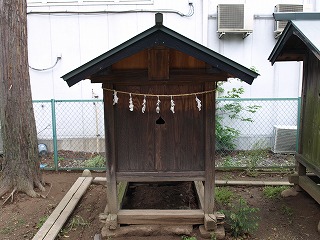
x: 308, y: 183
x: 143, y: 221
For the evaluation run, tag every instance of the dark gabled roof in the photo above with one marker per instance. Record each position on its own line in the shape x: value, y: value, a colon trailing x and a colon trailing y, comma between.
x: 299, y: 35
x: 159, y: 35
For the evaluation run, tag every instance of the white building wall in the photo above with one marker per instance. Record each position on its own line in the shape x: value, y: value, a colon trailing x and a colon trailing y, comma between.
x: 74, y: 32
x: 78, y: 38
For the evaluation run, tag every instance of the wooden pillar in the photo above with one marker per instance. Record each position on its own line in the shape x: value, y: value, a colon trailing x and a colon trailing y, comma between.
x: 110, y: 150
x: 209, y: 107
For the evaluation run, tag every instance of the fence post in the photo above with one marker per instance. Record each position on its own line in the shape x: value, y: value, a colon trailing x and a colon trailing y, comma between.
x: 298, y: 124
x: 54, y: 134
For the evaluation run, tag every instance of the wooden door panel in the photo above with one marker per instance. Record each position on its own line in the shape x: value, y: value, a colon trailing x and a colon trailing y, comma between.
x: 143, y: 145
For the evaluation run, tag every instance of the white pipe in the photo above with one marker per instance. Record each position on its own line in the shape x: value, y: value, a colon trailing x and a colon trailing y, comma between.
x: 103, y: 180
x: 205, y: 14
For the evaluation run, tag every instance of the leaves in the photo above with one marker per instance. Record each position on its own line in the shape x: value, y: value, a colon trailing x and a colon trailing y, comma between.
x: 242, y: 218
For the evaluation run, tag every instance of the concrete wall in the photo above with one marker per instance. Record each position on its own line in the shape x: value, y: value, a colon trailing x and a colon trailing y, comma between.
x: 76, y: 144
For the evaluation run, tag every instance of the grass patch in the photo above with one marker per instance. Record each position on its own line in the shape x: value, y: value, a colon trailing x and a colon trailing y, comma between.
x: 272, y: 192
x: 12, y: 224
x: 42, y: 220
x: 95, y: 162
x: 188, y: 238
x: 7, y: 230
x: 223, y: 195
x: 285, y: 210
x: 74, y: 223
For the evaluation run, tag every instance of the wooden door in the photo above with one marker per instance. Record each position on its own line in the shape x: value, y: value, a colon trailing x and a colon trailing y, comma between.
x: 143, y: 145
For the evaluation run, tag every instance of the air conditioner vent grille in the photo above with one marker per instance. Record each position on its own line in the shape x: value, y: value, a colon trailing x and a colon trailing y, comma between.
x: 287, y: 8
x: 231, y: 16
x: 284, y: 139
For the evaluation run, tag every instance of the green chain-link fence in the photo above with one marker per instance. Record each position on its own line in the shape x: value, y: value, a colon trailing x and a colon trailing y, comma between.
x: 256, y: 132
x: 73, y: 133
x: 249, y: 133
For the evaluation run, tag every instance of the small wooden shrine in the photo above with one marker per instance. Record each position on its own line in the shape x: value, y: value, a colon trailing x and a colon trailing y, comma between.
x: 159, y: 98
x: 300, y: 41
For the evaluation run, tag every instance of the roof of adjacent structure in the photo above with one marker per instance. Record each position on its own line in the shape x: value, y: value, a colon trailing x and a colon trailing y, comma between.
x: 301, y: 33
x: 160, y: 35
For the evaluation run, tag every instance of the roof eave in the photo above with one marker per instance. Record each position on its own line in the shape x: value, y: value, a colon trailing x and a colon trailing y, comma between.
x: 170, y: 39
x: 286, y: 33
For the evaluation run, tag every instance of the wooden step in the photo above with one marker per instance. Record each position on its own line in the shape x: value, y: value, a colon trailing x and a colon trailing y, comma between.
x: 165, y: 217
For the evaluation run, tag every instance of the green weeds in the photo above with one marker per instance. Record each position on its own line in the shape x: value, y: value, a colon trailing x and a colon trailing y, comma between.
x: 42, y: 220
x: 273, y: 192
x: 95, y: 162
x: 241, y: 218
x: 223, y: 195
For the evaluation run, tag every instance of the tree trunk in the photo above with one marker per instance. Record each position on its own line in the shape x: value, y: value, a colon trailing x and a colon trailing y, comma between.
x: 20, y: 167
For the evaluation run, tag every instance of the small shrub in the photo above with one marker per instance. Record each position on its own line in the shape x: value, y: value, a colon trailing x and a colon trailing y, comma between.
x: 228, y: 162
x: 95, y: 162
x: 272, y: 192
x: 223, y: 195
x: 241, y: 218
x: 255, y: 156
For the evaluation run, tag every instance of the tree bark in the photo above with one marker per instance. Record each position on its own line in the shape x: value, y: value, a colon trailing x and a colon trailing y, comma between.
x: 21, y: 163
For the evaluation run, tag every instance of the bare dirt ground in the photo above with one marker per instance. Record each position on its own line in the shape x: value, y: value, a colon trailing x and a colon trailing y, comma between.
x: 294, y: 218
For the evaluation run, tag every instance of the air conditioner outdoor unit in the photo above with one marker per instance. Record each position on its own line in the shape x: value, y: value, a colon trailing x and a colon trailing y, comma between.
x: 234, y: 18
x: 280, y: 25
x: 284, y: 139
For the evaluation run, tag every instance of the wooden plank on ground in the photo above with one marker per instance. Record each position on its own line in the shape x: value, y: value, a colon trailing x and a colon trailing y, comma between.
x: 76, y: 191
x: 310, y: 187
x: 164, y: 217
x: 53, y: 232
x: 57, y: 211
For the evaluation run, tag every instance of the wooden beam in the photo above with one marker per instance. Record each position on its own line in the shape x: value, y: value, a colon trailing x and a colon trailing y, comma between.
x: 306, y: 164
x: 122, y: 189
x: 140, y: 76
x: 310, y: 187
x: 110, y: 151
x: 160, y: 176
x: 161, y: 217
x: 200, y: 190
x: 60, y: 214
x: 209, y: 107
